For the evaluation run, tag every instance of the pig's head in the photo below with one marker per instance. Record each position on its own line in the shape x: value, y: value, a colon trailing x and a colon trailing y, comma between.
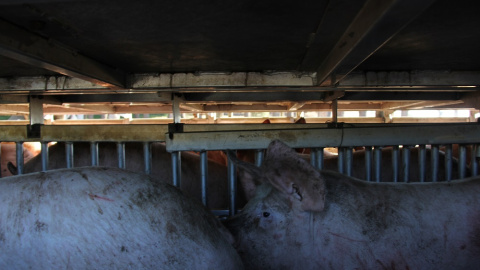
x: 285, y: 191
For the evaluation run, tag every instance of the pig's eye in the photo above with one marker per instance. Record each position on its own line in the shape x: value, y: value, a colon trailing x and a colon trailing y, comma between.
x: 266, y: 214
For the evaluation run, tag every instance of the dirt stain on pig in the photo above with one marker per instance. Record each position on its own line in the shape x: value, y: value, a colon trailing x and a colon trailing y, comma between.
x: 40, y: 226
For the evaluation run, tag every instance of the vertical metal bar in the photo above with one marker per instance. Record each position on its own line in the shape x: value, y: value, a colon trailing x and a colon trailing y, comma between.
x: 474, y: 157
x: 422, y: 158
x: 319, y: 157
x: 204, y: 175
x: 340, y: 160
x: 434, y: 162
x: 258, y: 157
x: 335, y: 111
x: 0, y: 160
x: 121, y: 155
x: 462, y: 161
x: 395, y: 163
x: 19, y: 152
x: 69, y: 154
x: 448, y: 162
x: 35, y: 110
x: 176, y: 109
x: 368, y: 163
x: 406, y: 162
x: 377, y: 163
x: 176, y: 169
x: 348, y: 160
x: 147, y: 157
x: 313, y: 157
x: 94, y: 153
x: 44, y: 154
x: 232, y: 187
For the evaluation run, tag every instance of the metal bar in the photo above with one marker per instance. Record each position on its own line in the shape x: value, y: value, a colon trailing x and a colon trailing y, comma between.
x: 462, y: 161
x: 348, y: 160
x: 474, y: 159
x: 341, y: 160
x: 232, y: 187
x: 44, y: 155
x: 176, y: 109
x: 0, y: 160
x: 435, y: 162
x: 395, y: 163
x: 94, y: 153
x: 36, y: 110
x: 35, y: 50
x: 313, y: 158
x: 376, y: 22
x: 19, y: 156
x: 331, y: 137
x: 69, y: 154
x: 147, y: 157
x: 377, y: 163
x: 422, y: 159
x: 258, y: 157
x: 176, y: 169
x: 204, y: 176
x: 316, y: 155
x: 448, y: 162
x: 335, y: 110
x: 121, y: 155
x: 368, y: 163
x: 98, y: 133
x: 406, y: 163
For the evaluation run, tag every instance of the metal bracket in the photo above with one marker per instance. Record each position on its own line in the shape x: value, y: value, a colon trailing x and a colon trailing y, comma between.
x: 174, y: 128
x: 34, y: 131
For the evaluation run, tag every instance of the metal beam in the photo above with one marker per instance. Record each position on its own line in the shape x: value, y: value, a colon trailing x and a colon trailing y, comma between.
x: 24, y: 46
x: 376, y: 23
x: 415, y: 78
x: 330, y: 137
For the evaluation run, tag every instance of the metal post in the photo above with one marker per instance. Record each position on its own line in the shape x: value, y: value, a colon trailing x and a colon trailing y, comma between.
x: 258, y: 157
x: 313, y: 157
x: 462, y: 161
x: 422, y: 157
x: 232, y: 187
x: 395, y: 162
x: 147, y: 157
x: 448, y: 162
x: 474, y: 156
x: 94, y: 153
x: 36, y: 110
x: 434, y: 162
x: 0, y: 159
x: 406, y: 162
x: 121, y: 155
x: 317, y: 154
x: 19, y: 148
x: 44, y: 154
x: 341, y: 160
x: 348, y: 160
x: 335, y: 111
x: 69, y: 154
x: 377, y: 163
x: 176, y: 168
x: 368, y: 163
x: 204, y: 175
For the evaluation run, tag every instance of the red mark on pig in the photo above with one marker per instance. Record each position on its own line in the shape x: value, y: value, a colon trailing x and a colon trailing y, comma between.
x: 93, y: 196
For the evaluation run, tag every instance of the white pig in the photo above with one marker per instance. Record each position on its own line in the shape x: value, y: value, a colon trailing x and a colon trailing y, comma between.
x: 301, y: 218
x: 106, y: 218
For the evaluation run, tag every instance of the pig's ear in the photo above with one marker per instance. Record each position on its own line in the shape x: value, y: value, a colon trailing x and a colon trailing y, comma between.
x: 249, y: 175
x: 292, y: 175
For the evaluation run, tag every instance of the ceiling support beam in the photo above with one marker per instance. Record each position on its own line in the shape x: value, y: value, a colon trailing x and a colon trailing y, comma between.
x: 21, y: 45
x: 376, y: 23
